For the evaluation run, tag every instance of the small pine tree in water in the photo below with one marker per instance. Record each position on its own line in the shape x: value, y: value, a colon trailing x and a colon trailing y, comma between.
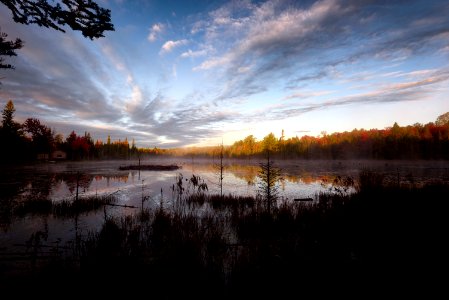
x: 269, y: 175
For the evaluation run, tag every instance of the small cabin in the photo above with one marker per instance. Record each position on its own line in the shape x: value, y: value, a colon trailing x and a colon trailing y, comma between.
x: 59, y: 155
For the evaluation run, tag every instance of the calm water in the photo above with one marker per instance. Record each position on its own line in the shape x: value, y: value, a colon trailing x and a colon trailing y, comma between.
x: 58, y: 181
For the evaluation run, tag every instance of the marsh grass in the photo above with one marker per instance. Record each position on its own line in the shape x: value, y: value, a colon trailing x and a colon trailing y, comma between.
x: 223, y: 202
x: 372, y: 239
x: 62, y: 208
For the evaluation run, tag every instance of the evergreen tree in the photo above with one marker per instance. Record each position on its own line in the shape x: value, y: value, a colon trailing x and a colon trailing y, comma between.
x: 269, y: 176
x: 8, y: 115
x: 11, y: 135
x: 8, y: 48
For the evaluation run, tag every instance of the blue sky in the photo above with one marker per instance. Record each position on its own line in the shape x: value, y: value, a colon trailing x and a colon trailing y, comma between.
x: 182, y: 73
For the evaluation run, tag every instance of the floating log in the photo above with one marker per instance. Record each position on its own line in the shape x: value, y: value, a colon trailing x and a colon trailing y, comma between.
x: 150, y: 167
x: 303, y: 199
x: 122, y: 205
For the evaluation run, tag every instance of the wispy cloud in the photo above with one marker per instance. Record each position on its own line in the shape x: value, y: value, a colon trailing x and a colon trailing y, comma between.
x: 182, y: 123
x: 154, y: 31
x: 307, y: 94
x: 72, y: 87
x: 190, y: 53
x: 213, y: 62
x: 47, y: 79
x: 170, y: 45
x: 277, y: 41
x: 402, y: 92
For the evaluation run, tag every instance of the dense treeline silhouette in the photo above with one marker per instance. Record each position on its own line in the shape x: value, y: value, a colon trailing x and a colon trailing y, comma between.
x: 429, y: 141
x: 33, y: 140
x: 417, y: 141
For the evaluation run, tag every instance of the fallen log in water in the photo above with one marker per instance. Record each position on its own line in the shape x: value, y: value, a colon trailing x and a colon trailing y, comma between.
x: 150, y: 167
x: 122, y: 205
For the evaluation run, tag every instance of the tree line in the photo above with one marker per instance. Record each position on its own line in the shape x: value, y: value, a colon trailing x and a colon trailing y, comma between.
x: 33, y: 140
x: 418, y: 141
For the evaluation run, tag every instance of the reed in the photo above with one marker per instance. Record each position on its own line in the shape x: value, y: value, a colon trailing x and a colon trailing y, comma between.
x: 339, y: 242
x: 62, y: 208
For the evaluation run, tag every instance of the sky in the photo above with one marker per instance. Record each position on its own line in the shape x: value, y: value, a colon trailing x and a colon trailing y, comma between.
x: 199, y: 73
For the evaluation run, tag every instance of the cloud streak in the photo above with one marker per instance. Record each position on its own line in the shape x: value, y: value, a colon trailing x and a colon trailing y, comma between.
x: 184, y: 124
x: 190, y: 53
x: 154, y: 31
x: 277, y: 41
x: 403, y: 92
x: 168, y: 46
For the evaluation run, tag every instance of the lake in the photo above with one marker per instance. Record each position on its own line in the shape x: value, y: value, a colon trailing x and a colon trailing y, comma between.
x: 58, y: 181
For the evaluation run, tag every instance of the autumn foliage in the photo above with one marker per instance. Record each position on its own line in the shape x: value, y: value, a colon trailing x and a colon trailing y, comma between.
x: 429, y: 141
x: 32, y: 139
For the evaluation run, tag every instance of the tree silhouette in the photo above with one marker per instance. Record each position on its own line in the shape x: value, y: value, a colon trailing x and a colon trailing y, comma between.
x: 269, y: 175
x: 11, y: 135
x: 8, y: 123
x: 8, y: 48
x: 83, y: 15
x: 220, y: 170
x: 42, y: 137
x: 442, y: 119
x: 80, y: 15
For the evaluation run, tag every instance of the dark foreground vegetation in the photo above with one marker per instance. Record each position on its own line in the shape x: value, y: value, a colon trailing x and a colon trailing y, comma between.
x: 380, y: 239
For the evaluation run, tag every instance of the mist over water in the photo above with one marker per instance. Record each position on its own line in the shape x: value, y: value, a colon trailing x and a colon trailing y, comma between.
x: 58, y: 182
x: 300, y: 178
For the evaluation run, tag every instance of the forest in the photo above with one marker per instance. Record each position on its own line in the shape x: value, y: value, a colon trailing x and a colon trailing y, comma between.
x: 32, y: 140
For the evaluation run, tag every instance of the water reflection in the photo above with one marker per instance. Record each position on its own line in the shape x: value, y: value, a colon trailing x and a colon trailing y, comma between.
x: 63, y: 182
x: 40, y: 185
x: 249, y: 173
x: 298, y: 179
